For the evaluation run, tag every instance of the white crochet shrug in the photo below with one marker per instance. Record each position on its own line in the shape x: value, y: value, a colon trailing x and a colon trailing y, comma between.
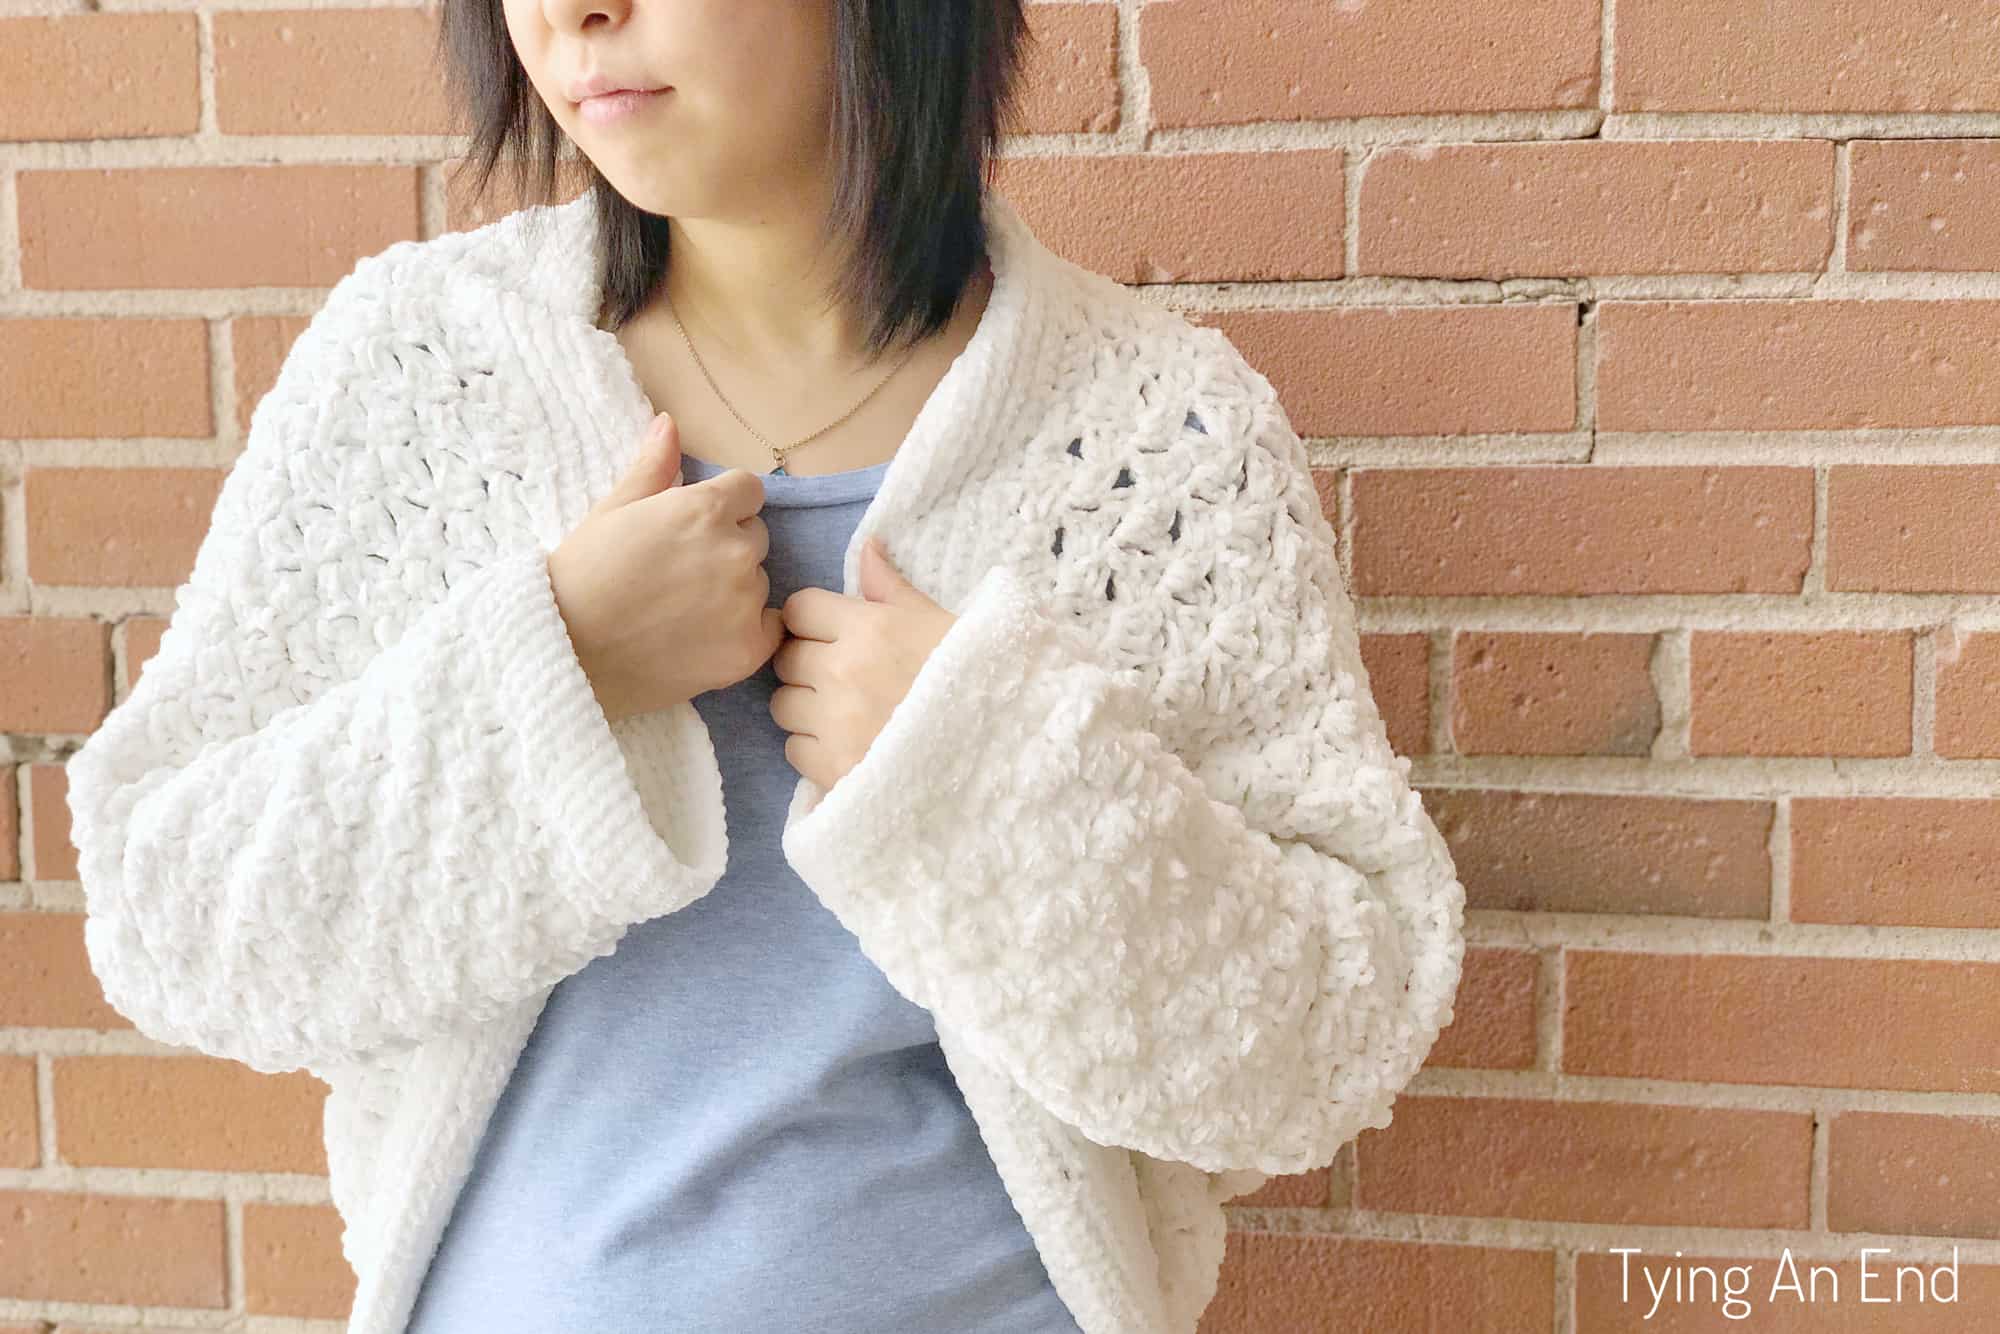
x: 1136, y: 837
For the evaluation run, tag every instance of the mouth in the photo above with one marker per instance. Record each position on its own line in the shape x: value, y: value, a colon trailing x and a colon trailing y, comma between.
x: 614, y: 92
x: 597, y: 85
x: 609, y: 107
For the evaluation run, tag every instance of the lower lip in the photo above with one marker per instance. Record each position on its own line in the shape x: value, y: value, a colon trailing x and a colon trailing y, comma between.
x: 612, y: 108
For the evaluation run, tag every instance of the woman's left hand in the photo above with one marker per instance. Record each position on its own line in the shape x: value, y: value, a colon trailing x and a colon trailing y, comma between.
x: 847, y: 662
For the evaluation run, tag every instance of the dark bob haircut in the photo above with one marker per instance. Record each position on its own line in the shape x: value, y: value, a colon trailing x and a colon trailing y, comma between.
x: 923, y: 89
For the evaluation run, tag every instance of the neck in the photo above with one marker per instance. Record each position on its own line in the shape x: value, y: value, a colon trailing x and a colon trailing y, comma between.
x: 754, y: 289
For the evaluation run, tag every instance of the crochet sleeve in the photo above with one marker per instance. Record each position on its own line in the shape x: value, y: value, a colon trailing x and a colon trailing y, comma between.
x: 293, y: 862
x: 1237, y: 967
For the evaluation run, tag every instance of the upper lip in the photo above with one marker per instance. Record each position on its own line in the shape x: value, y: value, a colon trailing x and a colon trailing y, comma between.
x: 599, y: 84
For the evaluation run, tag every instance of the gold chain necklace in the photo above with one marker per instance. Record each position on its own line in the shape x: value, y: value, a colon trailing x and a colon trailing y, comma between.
x: 781, y: 451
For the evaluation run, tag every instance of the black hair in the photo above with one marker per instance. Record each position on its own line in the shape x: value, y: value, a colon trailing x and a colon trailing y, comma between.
x: 923, y: 89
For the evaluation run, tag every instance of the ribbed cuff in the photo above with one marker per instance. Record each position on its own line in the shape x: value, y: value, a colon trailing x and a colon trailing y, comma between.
x: 585, y: 787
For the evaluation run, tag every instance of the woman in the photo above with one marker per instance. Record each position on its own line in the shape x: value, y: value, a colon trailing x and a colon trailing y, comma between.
x: 679, y: 960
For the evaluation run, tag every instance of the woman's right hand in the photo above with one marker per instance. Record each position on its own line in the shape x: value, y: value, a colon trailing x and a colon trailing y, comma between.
x: 663, y: 586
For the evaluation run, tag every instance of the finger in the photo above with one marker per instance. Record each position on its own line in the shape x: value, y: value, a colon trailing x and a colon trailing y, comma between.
x: 801, y: 662
x: 817, y: 613
x: 743, y: 492
x: 792, y: 709
x: 804, y: 753
x: 670, y: 451
x: 760, y: 537
x: 657, y: 459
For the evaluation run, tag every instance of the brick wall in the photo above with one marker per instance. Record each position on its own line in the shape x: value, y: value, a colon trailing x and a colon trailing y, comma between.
x: 1650, y: 355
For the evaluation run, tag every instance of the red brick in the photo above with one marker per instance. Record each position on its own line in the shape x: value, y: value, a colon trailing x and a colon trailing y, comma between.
x: 56, y: 670
x: 45, y: 975
x: 20, y: 1114
x: 1909, y: 528
x: 1068, y: 83
x: 1186, y: 217
x: 1493, y: 1014
x: 120, y: 76
x: 1588, y: 1162
x: 1232, y: 62
x: 261, y: 343
x: 292, y: 1262
x: 1341, y: 1285
x: 1301, y: 1190
x: 123, y: 1250
x: 55, y: 853
x: 1607, y: 852
x: 1597, y: 207
x: 1797, y: 365
x: 1781, y: 692
x: 1896, y: 861
x: 1804, y: 56
x: 1398, y: 667
x: 118, y: 527
x: 1371, y: 371
x: 79, y: 378
x: 1577, y: 531
x: 142, y: 641
x: 1910, y: 1173
x: 1925, y: 204
x: 1908, y: 1024
x: 331, y: 71
x: 192, y: 1114
x: 1968, y: 694
x: 304, y: 225
x: 1516, y: 693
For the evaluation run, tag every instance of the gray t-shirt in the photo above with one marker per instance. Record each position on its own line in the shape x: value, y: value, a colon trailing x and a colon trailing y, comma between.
x: 733, y: 1124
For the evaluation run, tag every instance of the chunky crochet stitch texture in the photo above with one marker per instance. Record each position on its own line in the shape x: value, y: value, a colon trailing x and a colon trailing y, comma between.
x: 1136, y: 836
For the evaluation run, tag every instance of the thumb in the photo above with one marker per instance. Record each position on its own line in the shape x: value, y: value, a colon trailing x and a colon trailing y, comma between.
x: 773, y: 623
x: 881, y: 581
x: 656, y: 467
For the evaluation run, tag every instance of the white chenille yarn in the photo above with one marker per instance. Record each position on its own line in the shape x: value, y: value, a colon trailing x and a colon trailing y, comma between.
x: 1136, y: 836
